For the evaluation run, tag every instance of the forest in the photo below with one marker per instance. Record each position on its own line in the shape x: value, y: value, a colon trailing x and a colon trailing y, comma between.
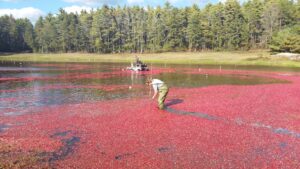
x: 254, y: 24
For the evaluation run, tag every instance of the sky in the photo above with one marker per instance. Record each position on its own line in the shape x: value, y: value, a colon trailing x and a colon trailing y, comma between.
x: 33, y: 9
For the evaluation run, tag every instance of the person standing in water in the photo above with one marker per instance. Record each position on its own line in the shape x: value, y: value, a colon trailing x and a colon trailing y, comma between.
x: 161, y: 88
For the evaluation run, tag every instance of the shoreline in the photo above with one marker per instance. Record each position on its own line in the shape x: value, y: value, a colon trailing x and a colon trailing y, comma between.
x: 239, y: 58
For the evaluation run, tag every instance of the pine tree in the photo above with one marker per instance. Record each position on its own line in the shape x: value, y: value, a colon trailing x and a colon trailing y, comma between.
x: 73, y: 32
x: 253, y: 13
x: 156, y: 30
x: 6, y: 39
x: 85, y: 27
x: 271, y: 22
x: 216, y: 26
x: 29, y: 35
x: 234, y: 23
x: 194, y: 29
x: 49, y: 35
x: 63, y: 32
x: 38, y: 39
x: 227, y: 26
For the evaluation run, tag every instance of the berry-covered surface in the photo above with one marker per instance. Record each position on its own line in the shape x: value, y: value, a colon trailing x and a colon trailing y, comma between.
x: 102, y: 116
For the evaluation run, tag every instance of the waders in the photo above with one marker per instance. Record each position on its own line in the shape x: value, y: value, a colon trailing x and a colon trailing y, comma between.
x: 163, y: 91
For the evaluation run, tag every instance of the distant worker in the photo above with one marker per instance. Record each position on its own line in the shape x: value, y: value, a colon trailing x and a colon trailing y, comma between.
x: 161, y: 88
x: 137, y: 60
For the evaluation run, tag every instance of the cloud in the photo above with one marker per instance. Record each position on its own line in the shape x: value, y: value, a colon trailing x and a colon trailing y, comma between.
x: 29, y: 12
x: 135, y: 1
x: 93, y: 2
x: 77, y: 9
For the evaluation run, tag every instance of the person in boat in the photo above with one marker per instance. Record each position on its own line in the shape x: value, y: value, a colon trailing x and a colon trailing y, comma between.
x: 159, y: 88
x: 138, y: 61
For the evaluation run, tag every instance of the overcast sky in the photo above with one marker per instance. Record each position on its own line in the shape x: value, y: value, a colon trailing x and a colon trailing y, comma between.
x: 32, y: 9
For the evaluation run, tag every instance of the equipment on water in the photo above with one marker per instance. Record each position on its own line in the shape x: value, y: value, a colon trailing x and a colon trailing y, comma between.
x: 138, y: 66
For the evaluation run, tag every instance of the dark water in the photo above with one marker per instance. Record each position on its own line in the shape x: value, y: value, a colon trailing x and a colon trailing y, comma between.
x: 26, y: 85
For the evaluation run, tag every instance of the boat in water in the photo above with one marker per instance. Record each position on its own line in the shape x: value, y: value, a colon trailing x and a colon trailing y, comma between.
x: 138, y: 66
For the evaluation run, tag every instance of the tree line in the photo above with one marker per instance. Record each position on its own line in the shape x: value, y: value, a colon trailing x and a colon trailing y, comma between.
x: 256, y: 24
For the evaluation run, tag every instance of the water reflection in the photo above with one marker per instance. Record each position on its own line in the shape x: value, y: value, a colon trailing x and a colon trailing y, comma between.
x: 199, y: 80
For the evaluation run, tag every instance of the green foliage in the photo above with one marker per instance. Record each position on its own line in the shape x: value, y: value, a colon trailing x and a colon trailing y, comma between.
x: 221, y: 26
x: 16, y: 35
x: 234, y: 23
x: 253, y: 12
x: 286, y: 40
x: 195, y: 29
x: 216, y: 33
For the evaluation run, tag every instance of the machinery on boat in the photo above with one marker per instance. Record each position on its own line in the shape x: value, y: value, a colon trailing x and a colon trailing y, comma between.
x: 138, y: 66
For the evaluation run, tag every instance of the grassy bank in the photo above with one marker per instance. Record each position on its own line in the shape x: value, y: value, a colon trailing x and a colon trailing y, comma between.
x: 261, y: 58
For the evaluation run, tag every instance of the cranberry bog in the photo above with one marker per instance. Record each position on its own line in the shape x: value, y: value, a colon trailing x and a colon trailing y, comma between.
x: 101, y: 116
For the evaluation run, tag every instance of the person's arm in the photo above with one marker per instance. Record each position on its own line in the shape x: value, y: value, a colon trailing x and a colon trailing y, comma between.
x: 155, y: 91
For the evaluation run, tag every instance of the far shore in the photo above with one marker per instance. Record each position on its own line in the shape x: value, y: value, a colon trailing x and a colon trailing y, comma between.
x: 253, y: 58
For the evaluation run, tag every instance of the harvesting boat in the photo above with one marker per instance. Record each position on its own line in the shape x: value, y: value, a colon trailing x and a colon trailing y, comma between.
x: 138, y: 66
